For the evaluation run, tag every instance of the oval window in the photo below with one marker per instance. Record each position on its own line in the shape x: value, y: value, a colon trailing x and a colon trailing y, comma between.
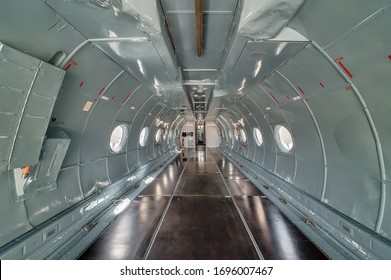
x: 258, y: 136
x: 158, y: 135
x: 243, y: 136
x: 284, y: 138
x: 118, y: 137
x: 144, y: 136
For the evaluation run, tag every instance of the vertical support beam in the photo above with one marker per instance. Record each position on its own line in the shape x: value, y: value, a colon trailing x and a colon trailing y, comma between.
x: 199, y: 11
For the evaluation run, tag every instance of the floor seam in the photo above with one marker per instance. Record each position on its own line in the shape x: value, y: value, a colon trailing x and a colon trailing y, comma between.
x: 149, y: 248
x: 250, y: 235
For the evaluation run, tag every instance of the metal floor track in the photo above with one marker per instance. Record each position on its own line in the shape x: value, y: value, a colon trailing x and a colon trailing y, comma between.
x: 202, y: 207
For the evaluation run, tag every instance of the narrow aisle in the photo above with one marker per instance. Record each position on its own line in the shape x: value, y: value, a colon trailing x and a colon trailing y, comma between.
x: 188, y: 213
x: 202, y: 222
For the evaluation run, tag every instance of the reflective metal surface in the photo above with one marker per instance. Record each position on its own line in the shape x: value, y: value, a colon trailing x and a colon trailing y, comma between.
x: 319, y: 68
x: 201, y: 221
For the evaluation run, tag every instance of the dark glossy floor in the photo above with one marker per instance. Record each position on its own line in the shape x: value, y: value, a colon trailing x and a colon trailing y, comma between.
x: 201, y: 220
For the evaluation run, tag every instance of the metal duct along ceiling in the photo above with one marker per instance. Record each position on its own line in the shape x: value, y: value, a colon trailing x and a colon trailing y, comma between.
x: 200, y: 31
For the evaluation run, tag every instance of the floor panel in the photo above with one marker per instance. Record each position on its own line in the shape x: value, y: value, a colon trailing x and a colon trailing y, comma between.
x: 202, y: 221
x: 165, y: 183
x: 201, y: 167
x: 243, y: 187
x: 201, y: 227
x: 128, y: 236
x: 229, y: 170
x: 201, y: 184
x: 276, y: 236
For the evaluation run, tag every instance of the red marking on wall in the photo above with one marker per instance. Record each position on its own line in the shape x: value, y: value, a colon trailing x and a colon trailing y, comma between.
x: 301, y: 90
x: 345, y: 69
x: 389, y: 57
x: 275, y: 99
x: 321, y: 84
x: 113, y: 97
x: 101, y: 91
x: 244, y: 145
x: 348, y: 88
x: 68, y: 66
x: 339, y: 58
x: 126, y: 98
x: 81, y: 84
x: 73, y: 62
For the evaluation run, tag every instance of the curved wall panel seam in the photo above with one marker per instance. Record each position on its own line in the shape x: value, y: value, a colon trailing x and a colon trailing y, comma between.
x: 357, y: 26
x: 130, y: 126
x: 106, y: 88
x: 245, y: 151
x: 171, y: 115
x: 270, y: 126
x: 172, y: 130
x: 223, y: 131
x: 157, y: 148
x: 251, y: 130
x: 318, y: 131
x: 79, y: 163
x: 236, y: 148
x: 290, y: 129
x: 130, y: 132
x: 226, y: 129
x: 109, y: 154
x: 161, y: 115
x: 373, y: 129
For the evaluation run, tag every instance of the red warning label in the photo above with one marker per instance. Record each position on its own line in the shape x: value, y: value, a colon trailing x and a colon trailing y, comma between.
x: 73, y: 62
x: 101, y: 91
x: 126, y: 98
x: 274, y: 98
x: 345, y: 69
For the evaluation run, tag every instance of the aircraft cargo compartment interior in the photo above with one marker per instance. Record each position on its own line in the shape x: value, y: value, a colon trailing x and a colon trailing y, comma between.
x: 195, y: 130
